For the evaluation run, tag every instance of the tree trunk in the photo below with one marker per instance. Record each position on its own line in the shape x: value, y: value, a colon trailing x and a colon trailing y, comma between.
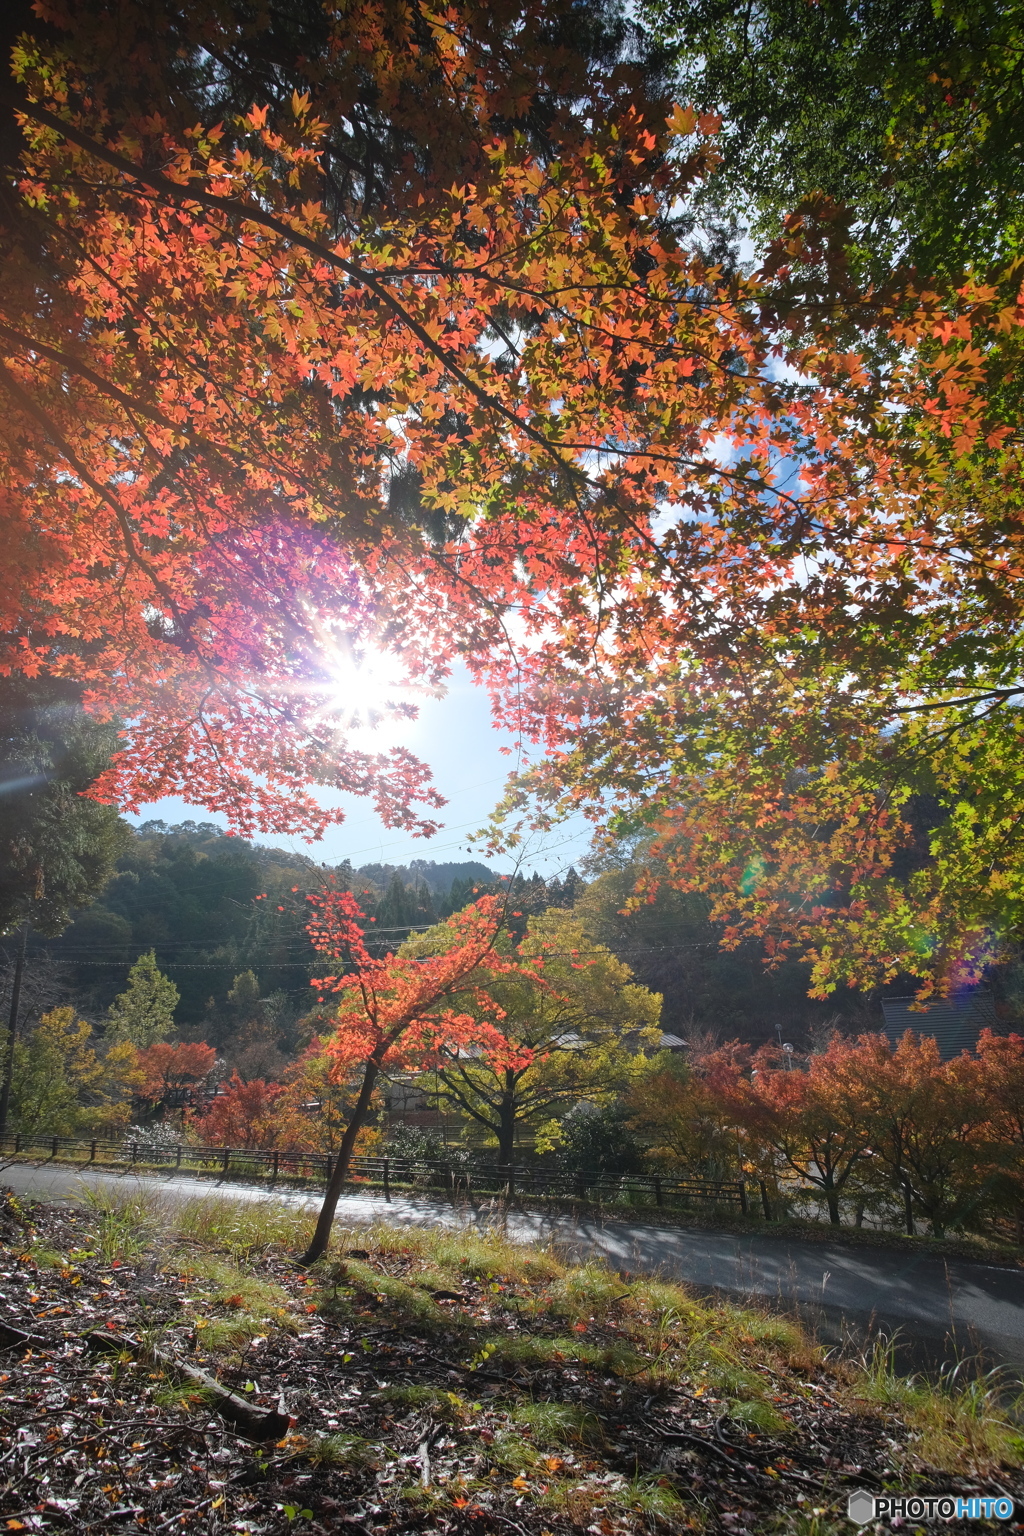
x: 325, y: 1221
x: 8, y: 1075
x: 832, y: 1200
x: 506, y: 1131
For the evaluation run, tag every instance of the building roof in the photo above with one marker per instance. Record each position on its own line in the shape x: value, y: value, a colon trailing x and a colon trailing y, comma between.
x: 953, y: 1022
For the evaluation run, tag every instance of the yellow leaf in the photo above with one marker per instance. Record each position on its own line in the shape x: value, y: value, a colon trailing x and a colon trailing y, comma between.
x: 682, y: 121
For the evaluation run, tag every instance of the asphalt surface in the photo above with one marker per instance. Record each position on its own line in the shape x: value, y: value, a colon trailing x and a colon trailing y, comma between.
x: 941, y: 1309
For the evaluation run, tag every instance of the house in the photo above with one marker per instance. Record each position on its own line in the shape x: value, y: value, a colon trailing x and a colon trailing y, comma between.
x: 953, y: 1022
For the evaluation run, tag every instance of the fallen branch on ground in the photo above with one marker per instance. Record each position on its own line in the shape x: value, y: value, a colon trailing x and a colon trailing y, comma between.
x: 253, y: 1422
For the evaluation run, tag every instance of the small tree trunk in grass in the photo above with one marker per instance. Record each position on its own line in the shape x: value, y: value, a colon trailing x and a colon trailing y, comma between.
x: 325, y: 1221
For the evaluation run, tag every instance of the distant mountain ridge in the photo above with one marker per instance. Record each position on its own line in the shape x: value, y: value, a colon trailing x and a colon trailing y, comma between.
x: 438, y: 878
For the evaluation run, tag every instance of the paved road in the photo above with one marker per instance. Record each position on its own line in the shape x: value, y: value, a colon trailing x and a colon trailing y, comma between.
x: 942, y: 1308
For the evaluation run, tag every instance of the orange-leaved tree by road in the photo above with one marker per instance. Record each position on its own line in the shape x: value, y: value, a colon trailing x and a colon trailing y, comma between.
x: 243, y: 1115
x: 863, y: 1120
x: 396, y: 1012
x: 814, y: 1120
x: 316, y: 1103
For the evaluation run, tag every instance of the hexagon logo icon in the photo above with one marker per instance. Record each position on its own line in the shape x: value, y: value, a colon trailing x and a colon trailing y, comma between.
x: 860, y: 1506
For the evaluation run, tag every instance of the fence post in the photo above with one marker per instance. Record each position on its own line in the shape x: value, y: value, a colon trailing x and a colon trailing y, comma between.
x: 765, y: 1206
x: 227, y: 1158
x: 328, y: 1160
x: 92, y: 1151
x: 17, y: 1142
x: 177, y: 1159
x: 387, y: 1182
x: 277, y: 1160
x: 657, y: 1191
x: 743, y: 1199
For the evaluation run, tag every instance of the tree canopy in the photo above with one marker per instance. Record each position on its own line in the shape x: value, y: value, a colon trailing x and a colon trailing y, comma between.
x: 739, y: 550
x: 144, y: 1012
x: 908, y: 114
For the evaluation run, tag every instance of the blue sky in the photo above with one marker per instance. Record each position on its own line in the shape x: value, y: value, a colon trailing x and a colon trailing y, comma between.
x: 456, y: 737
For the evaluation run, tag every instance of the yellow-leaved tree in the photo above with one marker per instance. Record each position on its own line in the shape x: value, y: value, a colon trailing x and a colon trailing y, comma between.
x: 578, y: 1023
x: 62, y: 1087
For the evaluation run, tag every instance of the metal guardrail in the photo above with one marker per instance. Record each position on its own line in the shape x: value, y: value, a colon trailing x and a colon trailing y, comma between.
x: 461, y: 1177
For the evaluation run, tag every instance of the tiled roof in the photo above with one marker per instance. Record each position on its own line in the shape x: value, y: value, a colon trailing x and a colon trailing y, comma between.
x: 954, y: 1022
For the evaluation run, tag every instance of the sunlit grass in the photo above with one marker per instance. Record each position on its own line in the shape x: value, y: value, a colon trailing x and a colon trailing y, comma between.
x: 242, y: 1228
x: 970, y: 1421
x: 557, y: 1424
x: 127, y: 1220
x: 433, y: 1402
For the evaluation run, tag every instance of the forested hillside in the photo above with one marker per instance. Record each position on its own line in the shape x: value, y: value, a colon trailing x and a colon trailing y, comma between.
x: 189, y: 893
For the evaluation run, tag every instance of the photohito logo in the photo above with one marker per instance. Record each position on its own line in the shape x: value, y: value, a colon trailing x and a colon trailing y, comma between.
x: 863, y: 1506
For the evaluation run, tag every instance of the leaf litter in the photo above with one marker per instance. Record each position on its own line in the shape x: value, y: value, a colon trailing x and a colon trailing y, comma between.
x: 431, y: 1382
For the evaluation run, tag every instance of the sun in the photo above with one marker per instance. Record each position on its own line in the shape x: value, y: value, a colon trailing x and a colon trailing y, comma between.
x: 368, y: 693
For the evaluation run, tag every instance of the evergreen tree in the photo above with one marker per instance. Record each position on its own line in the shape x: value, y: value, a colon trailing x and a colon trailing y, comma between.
x: 57, y: 848
x: 144, y: 1012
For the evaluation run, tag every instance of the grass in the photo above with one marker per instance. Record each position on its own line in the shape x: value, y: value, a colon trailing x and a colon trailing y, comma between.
x: 332, y: 1450
x: 969, y: 1420
x: 556, y: 1424
x: 126, y: 1222
x: 666, y: 1335
x: 440, y: 1406
x: 243, y: 1229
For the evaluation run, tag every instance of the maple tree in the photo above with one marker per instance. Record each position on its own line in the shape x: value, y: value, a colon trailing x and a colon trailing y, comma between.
x: 739, y: 551
x: 930, y: 1121
x: 685, y: 1118
x: 399, y: 1012
x: 813, y: 1120
x: 1001, y: 1071
x: 163, y: 1067
x: 861, y: 1120
x: 261, y: 385
x: 316, y: 1104
x: 241, y: 1115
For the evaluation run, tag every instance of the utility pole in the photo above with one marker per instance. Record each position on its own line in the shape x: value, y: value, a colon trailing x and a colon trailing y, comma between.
x: 12, y: 1028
